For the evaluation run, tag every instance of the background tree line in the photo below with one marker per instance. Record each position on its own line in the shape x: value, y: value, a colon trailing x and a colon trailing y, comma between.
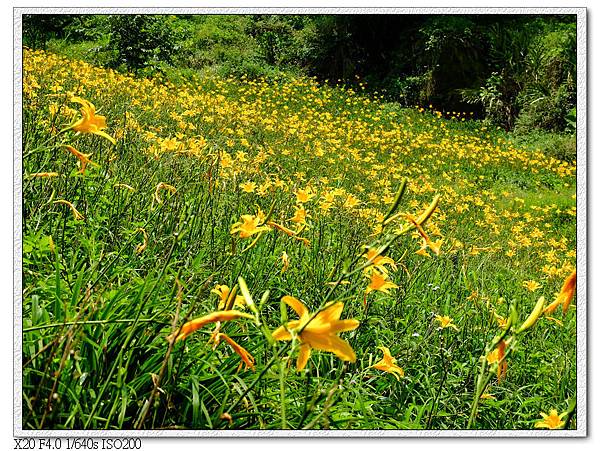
x: 517, y: 71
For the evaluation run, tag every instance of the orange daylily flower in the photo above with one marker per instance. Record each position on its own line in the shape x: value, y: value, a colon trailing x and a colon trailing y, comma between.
x: 246, y: 357
x: 318, y: 331
x: 497, y: 356
x: 565, y: 296
x: 195, y: 324
x: 84, y: 159
x: 388, y: 364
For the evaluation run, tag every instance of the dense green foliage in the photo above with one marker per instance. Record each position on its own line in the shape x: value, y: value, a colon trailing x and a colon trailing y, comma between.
x: 519, y: 72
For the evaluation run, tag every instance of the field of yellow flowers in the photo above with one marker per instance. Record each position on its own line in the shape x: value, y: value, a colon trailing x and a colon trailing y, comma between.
x: 250, y: 254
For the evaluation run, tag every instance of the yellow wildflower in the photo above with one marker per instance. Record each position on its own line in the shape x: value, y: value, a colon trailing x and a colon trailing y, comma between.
x: 248, y: 226
x: 304, y: 195
x: 388, y: 364
x: 445, y: 321
x: 300, y: 216
x: 379, y: 282
x: 248, y: 187
x: 351, y: 201
x: 502, y: 322
x: 318, y: 331
x: 379, y: 261
x: 225, y: 294
x: 551, y: 421
x: 532, y: 285
x: 90, y: 122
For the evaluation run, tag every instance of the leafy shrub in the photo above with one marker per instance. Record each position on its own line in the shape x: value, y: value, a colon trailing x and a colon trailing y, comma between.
x: 144, y: 41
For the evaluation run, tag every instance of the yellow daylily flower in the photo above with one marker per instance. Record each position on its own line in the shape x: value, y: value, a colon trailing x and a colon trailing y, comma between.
x: 224, y: 293
x: 551, y: 421
x: 304, y: 195
x: 388, y: 364
x: 300, y: 216
x: 379, y: 282
x: 248, y: 226
x: 90, y: 122
x: 427, y: 242
x: 248, y: 187
x: 379, y: 261
x: 351, y: 201
x: 318, y: 331
x: 502, y: 322
x: 531, y: 285
x: 195, y: 324
x: 445, y: 321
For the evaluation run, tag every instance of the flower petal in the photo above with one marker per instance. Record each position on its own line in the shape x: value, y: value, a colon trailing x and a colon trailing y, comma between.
x: 303, y: 356
x: 344, y: 325
x: 296, y: 305
x: 281, y: 333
